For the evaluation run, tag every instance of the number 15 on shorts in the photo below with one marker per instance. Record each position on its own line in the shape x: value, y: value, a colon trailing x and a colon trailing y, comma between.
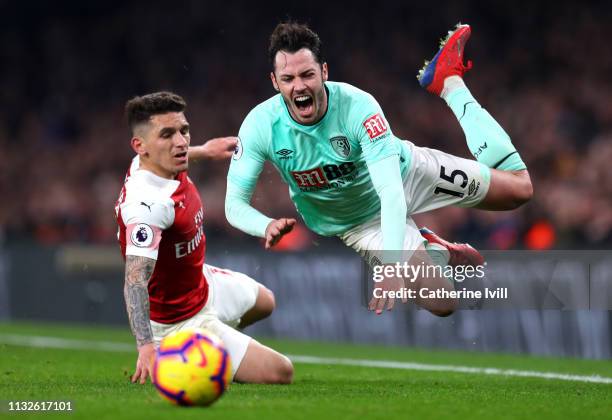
x: 462, y: 178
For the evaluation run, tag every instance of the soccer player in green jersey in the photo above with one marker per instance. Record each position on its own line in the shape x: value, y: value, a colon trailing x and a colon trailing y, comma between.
x: 349, y: 176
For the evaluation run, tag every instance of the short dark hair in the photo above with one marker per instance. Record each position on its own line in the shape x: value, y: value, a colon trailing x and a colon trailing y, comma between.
x: 292, y: 37
x: 140, y: 109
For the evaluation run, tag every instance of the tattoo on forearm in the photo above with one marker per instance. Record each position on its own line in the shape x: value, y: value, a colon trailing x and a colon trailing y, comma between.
x: 138, y: 270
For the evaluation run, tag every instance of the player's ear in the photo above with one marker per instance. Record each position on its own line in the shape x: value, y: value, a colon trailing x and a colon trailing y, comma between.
x: 324, y: 72
x: 273, y: 78
x: 138, y: 146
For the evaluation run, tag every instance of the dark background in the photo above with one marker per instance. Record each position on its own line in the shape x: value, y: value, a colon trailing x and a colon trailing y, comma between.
x: 67, y: 68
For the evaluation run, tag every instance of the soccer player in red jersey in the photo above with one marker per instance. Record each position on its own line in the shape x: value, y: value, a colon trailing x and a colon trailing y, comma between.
x: 168, y: 286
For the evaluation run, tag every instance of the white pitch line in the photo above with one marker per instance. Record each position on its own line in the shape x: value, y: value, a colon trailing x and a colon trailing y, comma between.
x: 387, y: 364
x: 65, y: 343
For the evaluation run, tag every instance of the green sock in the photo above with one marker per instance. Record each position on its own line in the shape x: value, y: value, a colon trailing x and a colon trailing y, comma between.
x: 486, y: 139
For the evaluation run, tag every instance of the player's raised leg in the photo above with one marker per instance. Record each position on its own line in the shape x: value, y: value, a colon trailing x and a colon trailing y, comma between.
x: 510, y: 184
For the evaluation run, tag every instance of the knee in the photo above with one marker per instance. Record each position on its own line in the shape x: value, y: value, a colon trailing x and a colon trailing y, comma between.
x: 266, y: 302
x: 523, y: 191
x: 282, y: 373
x: 443, y: 312
x: 444, y: 308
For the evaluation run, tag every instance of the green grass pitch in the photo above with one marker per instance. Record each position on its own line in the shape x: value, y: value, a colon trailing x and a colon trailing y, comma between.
x: 97, y: 384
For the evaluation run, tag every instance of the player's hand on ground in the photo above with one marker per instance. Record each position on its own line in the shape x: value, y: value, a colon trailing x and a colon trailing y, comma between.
x: 144, y: 364
x: 277, y: 229
x: 214, y: 149
x: 393, y: 283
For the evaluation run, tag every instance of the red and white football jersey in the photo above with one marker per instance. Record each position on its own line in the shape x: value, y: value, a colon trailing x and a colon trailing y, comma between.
x: 162, y: 219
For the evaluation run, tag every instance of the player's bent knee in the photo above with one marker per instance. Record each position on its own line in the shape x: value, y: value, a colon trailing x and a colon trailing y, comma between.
x: 443, y: 307
x: 279, y: 372
x: 442, y: 312
x: 283, y: 374
x: 508, y: 191
x: 263, y: 307
x: 270, y: 301
x: 523, y: 189
x: 525, y: 193
x: 266, y: 303
x: 263, y: 365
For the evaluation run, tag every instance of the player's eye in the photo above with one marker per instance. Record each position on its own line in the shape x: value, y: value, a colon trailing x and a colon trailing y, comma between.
x: 185, y: 131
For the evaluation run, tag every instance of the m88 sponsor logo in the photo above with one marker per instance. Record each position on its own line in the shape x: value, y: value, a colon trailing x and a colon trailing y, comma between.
x: 325, y: 177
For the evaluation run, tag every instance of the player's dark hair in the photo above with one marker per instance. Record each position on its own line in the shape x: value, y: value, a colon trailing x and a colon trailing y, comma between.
x: 292, y: 37
x: 140, y: 109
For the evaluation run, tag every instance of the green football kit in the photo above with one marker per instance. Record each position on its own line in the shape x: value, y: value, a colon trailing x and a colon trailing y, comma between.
x: 349, y: 175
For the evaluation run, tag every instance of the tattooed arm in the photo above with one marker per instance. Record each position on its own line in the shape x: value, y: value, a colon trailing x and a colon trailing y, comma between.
x: 138, y: 271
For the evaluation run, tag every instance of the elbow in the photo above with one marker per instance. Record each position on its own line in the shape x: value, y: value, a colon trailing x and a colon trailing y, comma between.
x: 525, y: 195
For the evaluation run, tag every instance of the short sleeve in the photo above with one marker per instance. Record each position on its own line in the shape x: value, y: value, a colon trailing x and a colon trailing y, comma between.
x: 144, y: 222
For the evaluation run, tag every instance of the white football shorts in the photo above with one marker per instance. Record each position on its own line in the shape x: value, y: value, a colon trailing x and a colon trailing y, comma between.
x: 435, y: 179
x: 230, y: 296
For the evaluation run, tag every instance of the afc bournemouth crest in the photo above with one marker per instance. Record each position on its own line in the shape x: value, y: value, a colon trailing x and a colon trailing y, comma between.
x: 341, y: 146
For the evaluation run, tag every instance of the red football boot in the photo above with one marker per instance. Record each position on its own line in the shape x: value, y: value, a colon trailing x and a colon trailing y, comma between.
x: 447, y: 62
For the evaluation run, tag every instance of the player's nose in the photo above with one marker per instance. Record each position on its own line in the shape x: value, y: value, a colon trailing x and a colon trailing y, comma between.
x: 181, y: 141
x: 299, y: 85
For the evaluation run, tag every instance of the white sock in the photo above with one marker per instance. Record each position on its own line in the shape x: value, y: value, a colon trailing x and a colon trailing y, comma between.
x: 439, y: 254
x: 451, y: 84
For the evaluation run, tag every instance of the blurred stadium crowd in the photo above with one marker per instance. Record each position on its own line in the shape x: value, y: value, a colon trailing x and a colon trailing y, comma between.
x: 67, y: 71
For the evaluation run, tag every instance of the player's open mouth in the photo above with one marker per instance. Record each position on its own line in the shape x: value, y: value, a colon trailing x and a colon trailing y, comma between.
x: 303, y: 103
x: 181, y: 157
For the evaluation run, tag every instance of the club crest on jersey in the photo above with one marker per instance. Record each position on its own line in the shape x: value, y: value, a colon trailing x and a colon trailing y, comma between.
x: 142, y: 235
x: 238, y: 150
x: 375, y: 126
x: 341, y: 145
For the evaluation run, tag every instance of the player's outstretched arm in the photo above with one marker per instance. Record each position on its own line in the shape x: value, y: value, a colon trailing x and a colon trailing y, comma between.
x: 138, y: 271
x: 387, y: 180
x: 241, y: 214
x: 246, y: 166
x: 214, y: 149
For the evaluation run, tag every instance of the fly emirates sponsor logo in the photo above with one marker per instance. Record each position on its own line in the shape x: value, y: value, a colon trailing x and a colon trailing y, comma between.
x: 185, y: 248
